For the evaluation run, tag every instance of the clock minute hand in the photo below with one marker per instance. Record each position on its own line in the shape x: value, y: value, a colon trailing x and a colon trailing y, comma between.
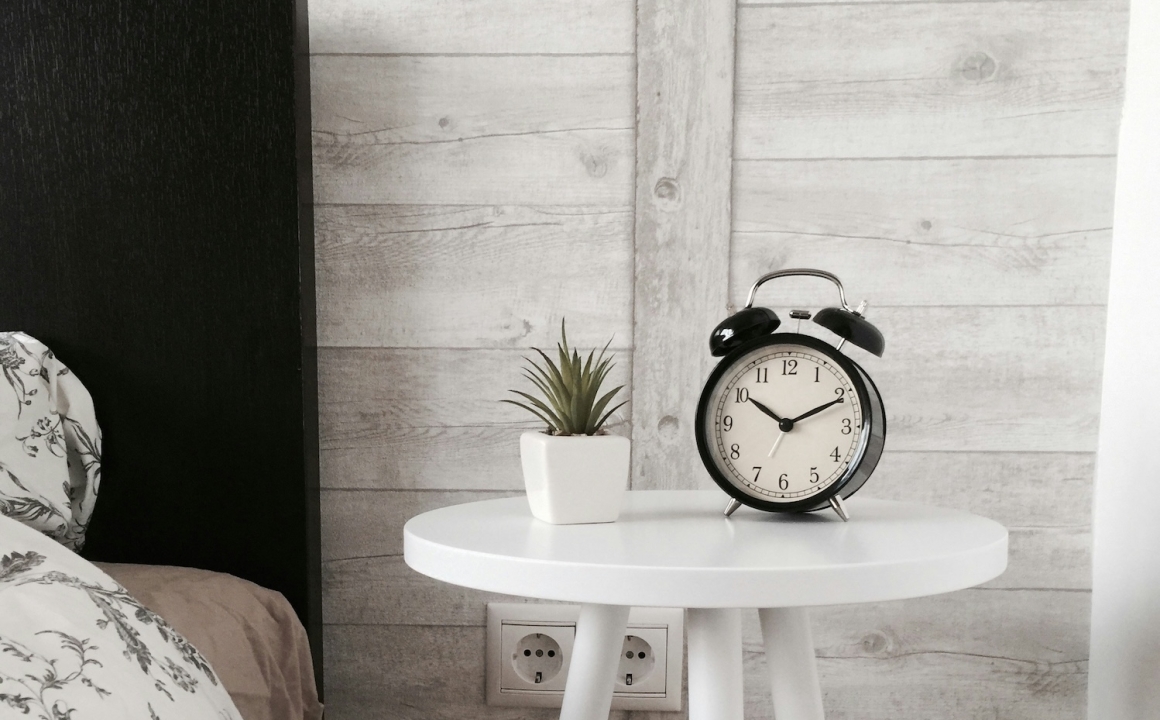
x: 818, y: 409
x: 765, y: 410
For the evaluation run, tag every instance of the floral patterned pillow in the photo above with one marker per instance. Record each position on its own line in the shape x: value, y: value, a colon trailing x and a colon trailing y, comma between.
x: 50, y: 444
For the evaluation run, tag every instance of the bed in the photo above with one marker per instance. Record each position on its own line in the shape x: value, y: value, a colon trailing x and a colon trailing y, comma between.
x: 110, y: 640
x: 156, y: 233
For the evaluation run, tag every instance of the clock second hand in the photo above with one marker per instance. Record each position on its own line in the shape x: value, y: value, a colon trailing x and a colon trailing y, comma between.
x: 776, y: 442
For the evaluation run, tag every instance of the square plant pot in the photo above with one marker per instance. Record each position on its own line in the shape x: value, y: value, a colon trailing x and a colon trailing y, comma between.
x: 574, y: 479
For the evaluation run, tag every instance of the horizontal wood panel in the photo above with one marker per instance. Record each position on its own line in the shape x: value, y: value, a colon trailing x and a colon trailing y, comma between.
x: 589, y: 167
x: 1011, y: 231
x: 1023, y: 490
x: 369, y: 524
x: 365, y: 394
x: 929, y: 79
x: 391, y: 100
x: 424, y: 458
x: 463, y: 276
x: 970, y: 654
x: 496, y: 130
x: 471, y: 26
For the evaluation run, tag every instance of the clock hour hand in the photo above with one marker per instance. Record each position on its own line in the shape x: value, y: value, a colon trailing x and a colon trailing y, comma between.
x: 765, y: 410
x: 818, y: 409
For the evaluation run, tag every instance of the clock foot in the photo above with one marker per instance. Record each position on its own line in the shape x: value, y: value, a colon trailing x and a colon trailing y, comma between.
x: 840, y: 508
x: 732, y: 506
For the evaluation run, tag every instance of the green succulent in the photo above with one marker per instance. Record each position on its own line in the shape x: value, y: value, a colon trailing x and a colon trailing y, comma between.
x: 570, y: 390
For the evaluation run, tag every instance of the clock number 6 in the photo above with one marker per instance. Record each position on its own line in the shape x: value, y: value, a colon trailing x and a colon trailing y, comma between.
x: 782, y: 482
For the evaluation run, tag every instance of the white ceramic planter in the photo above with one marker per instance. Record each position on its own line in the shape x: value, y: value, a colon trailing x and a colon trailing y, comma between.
x: 575, y: 478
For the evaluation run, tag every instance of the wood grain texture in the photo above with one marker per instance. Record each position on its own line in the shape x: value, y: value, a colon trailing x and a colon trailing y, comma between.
x: 473, y: 276
x: 472, y: 130
x: 369, y: 523
x: 929, y: 79
x: 684, y: 160
x: 1001, y: 231
x: 471, y: 26
x: 430, y: 387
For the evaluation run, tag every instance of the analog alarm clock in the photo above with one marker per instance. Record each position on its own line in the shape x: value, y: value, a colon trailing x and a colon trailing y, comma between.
x: 788, y: 422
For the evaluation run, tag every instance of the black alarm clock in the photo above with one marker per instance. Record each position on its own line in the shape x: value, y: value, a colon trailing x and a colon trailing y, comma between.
x: 787, y: 422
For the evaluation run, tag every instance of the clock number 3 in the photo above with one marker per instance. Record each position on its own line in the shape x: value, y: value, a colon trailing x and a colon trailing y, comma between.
x: 846, y: 429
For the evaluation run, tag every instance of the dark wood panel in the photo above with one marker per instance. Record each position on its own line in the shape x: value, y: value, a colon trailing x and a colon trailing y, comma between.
x: 155, y: 231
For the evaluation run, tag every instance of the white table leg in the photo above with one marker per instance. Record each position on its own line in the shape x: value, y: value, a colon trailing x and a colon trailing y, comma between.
x: 793, y: 668
x: 595, y: 658
x: 715, y: 673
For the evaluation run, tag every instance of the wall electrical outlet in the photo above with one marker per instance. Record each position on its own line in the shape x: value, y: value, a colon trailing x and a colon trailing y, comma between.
x: 529, y: 652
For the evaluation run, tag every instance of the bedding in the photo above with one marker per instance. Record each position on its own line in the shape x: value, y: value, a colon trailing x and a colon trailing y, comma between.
x: 50, y: 444
x: 75, y: 645
x: 250, y: 635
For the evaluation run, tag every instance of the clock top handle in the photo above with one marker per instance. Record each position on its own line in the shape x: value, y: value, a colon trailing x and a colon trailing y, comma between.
x: 845, y: 322
x: 799, y: 272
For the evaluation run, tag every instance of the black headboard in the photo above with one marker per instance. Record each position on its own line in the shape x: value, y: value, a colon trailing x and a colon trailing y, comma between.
x: 156, y: 233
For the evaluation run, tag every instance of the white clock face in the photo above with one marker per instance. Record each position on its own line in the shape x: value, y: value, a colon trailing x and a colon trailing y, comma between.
x: 786, y: 423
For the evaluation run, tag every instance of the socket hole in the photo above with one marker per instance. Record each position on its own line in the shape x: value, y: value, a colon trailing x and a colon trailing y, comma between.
x: 637, y: 661
x: 538, y: 658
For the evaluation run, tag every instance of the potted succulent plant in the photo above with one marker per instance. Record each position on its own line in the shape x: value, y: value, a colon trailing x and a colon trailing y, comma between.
x: 574, y: 471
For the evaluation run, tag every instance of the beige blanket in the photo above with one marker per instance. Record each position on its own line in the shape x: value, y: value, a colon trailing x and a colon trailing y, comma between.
x: 250, y: 635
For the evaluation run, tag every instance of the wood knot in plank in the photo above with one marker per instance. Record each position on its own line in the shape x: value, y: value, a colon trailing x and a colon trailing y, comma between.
x: 875, y: 643
x: 444, y: 122
x: 977, y: 67
x: 597, y: 165
x: 668, y: 193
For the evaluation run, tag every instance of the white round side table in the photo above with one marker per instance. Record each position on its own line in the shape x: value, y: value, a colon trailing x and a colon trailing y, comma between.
x: 676, y: 549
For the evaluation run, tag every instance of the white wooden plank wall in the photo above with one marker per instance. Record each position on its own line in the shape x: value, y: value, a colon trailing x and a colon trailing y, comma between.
x: 473, y: 185
x: 954, y: 163
x: 475, y: 182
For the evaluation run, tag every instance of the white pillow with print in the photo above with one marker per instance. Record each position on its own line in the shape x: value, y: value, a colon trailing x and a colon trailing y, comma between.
x: 50, y: 444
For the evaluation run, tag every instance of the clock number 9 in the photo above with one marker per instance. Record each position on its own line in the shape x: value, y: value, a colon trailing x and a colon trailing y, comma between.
x: 735, y: 451
x: 727, y: 421
x: 783, y: 482
x: 846, y: 429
